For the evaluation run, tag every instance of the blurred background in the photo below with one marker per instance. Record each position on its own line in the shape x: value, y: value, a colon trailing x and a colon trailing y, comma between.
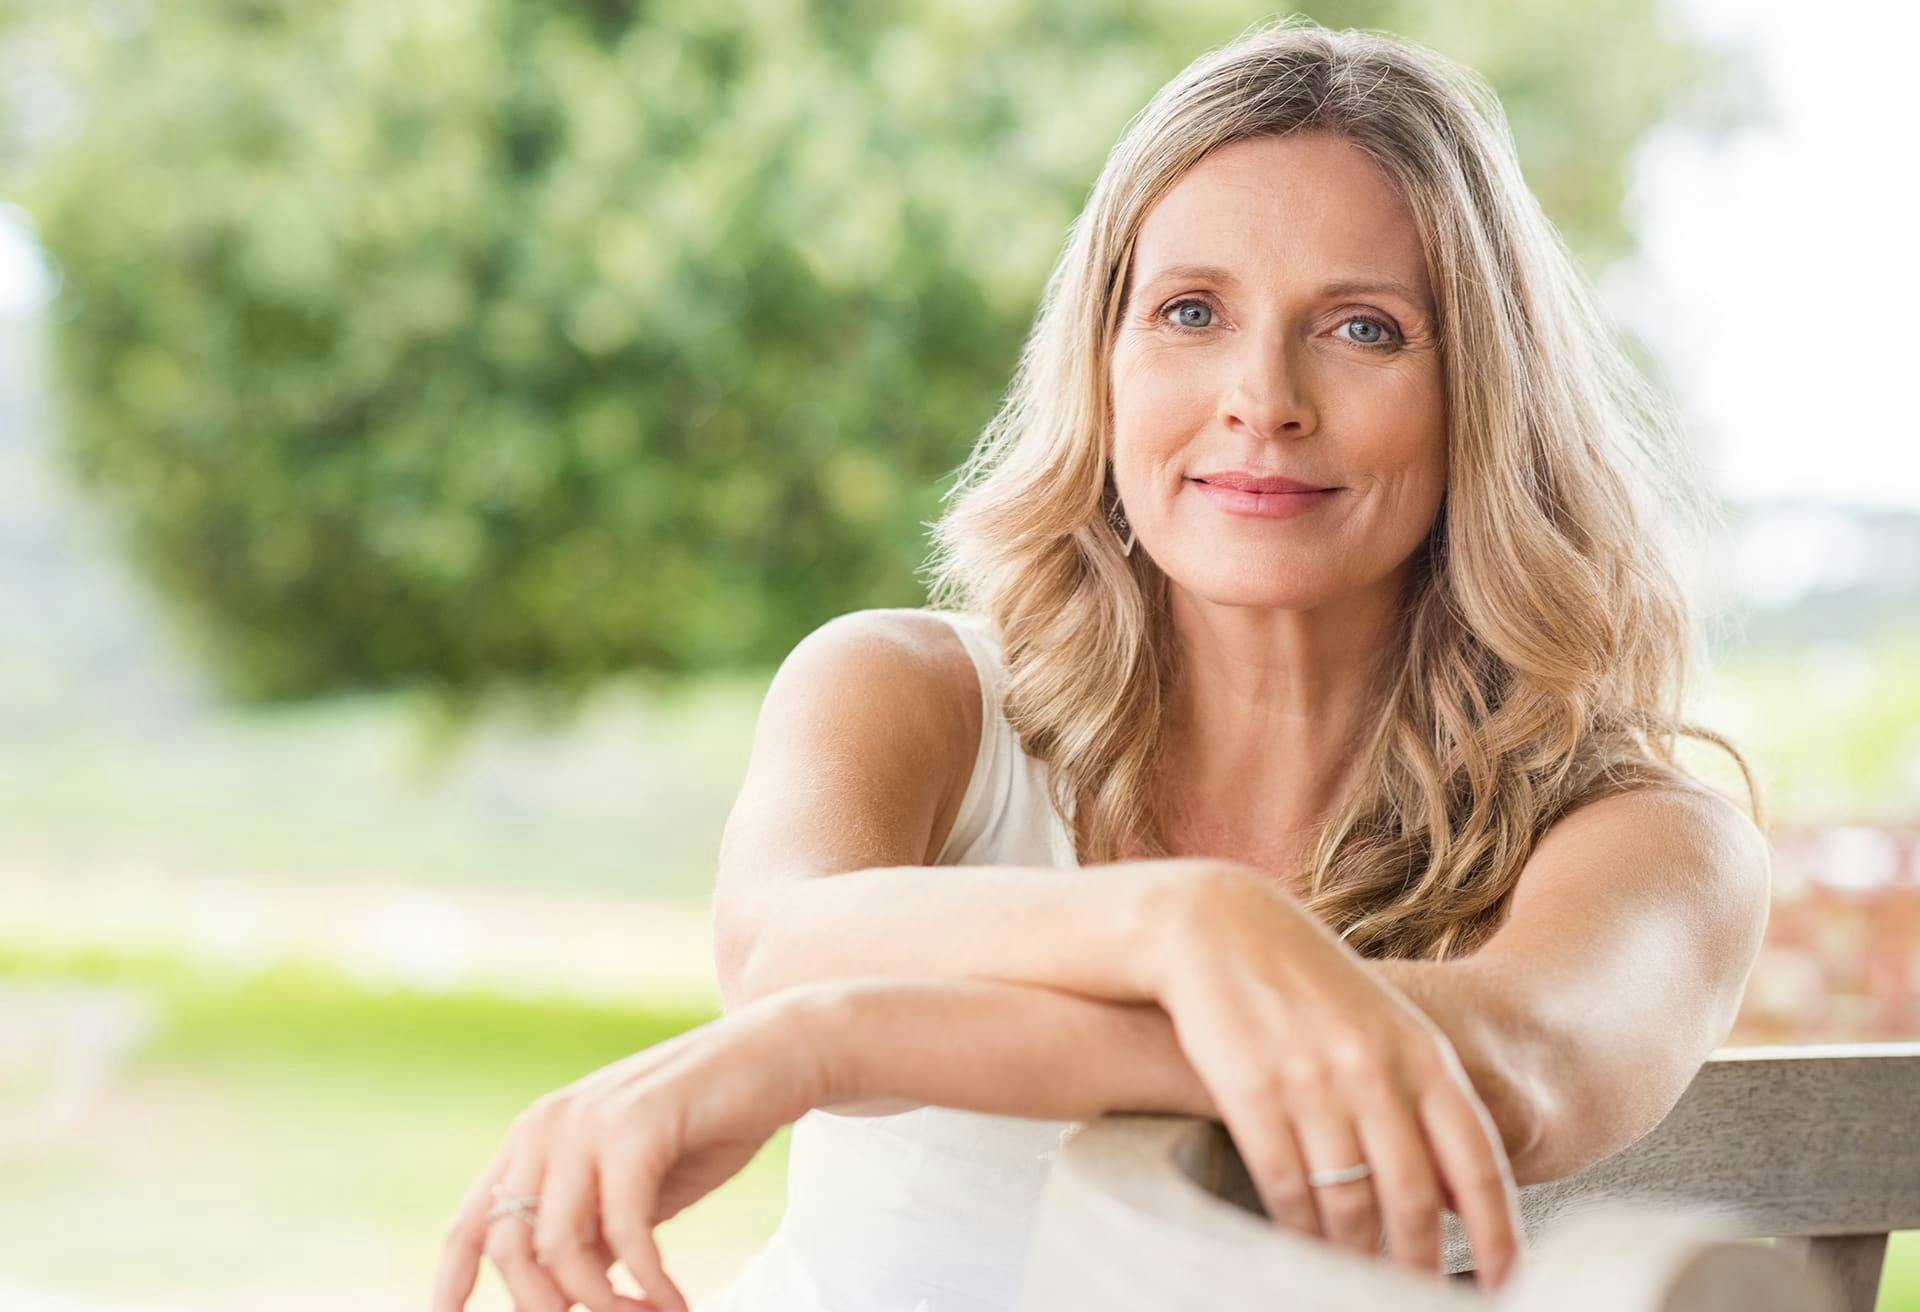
x: 424, y: 427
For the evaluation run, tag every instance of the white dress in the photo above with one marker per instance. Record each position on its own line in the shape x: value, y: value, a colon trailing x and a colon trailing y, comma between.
x: 929, y: 1210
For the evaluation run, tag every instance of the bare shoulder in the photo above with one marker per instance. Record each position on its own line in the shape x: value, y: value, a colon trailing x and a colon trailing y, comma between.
x: 1654, y: 833
x: 889, y: 665
x: 1677, y: 807
x: 862, y: 752
x: 861, y: 756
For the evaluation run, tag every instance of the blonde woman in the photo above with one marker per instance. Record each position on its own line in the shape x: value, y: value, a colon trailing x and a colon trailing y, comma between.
x: 1291, y: 742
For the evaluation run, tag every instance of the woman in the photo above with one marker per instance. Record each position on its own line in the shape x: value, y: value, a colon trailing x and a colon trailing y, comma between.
x: 1293, y: 745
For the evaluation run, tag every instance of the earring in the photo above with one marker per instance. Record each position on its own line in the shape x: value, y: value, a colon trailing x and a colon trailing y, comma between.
x: 1121, y: 527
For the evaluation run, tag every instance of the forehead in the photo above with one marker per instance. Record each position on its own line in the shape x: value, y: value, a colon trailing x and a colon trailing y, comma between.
x: 1280, y: 212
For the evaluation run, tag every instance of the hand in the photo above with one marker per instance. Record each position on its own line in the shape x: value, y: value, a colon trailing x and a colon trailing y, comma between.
x: 1317, y: 1062
x: 622, y: 1150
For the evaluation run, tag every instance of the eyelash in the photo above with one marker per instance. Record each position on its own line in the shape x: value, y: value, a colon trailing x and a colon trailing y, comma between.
x: 1382, y: 345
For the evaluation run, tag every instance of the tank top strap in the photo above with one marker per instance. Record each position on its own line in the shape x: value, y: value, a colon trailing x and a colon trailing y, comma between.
x: 977, y: 635
x: 993, y: 764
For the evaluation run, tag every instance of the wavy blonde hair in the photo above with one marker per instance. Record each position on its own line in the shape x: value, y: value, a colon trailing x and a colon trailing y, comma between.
x: 1544, y: 643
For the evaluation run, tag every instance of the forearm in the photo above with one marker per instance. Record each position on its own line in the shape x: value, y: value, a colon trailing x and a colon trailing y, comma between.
x: 1048, y: 978
x: 1086, y: 931
x: 1040, y: 1053
x: 891, y: 1044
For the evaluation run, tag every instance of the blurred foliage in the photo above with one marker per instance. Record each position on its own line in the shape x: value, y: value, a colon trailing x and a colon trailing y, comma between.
x: 465, y: 344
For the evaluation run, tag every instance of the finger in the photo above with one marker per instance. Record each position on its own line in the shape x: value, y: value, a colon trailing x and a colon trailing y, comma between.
x: 1263, y: 1135
x: 1408, y: 1186
x: 567, y: 1240
x: 1478, y: 1179
x: 629, y: 1190
x: 466, y: 1239
x: 1349, y: 1213
x: 509, y: 1245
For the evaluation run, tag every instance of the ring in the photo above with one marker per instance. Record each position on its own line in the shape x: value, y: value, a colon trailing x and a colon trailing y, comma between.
x: 1339, y: 1175
x: 520, y: 1206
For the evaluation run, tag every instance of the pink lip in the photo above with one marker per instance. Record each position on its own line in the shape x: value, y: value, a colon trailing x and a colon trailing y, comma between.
x: 1263, y: 505
x: 1245, y: 482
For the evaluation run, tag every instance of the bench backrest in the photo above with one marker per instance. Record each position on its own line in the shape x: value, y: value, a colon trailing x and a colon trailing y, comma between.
x: 1818, y: 1146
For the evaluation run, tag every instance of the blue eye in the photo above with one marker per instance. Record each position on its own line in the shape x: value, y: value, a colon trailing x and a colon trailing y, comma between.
x: 1380, y: 326
x: 1193, y: 315
x: 1187, y: 326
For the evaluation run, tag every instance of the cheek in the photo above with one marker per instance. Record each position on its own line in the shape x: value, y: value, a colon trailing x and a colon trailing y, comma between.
x: 1414, y: 446
x: 1417, y: 495
x: 1434, y: 451
x: 1155, y: 402
x: 1427, y: 467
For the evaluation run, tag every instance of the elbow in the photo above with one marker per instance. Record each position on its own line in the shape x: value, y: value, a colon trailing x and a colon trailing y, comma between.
x: 733, y: 958
x: 1517, y: 1101
x: 744, y: 983
x: 1563, y: 1139
x: 1531, y: 1144
x: 1594, y: 1111
x: 1526, y: 1105
x: 733, y: 995
x: 1563, y: 1117
x: 747, y: 965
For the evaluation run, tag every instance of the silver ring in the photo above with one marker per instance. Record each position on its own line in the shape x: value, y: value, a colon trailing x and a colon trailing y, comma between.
x: 519, y: 1206
x: 1339, y: 1175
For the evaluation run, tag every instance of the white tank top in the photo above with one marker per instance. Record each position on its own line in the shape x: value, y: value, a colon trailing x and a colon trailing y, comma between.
x: 929, y: 1210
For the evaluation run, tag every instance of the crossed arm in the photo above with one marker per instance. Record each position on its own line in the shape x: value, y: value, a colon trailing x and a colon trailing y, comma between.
x: 1578, y: 1042
x: 1048, y: 979
x: 1620, y: 965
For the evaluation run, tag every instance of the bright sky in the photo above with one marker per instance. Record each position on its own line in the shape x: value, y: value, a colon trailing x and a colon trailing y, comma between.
x: 23, y: 278
x: 1780, y: 269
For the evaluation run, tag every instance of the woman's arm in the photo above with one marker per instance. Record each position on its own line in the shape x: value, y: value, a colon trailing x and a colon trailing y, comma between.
x: 892, y: 1044
x: 1578, y: 1044
x: 864, y: 748
x: 1037, y: 1052
x: 1092, y: 960
x: 865, y: 743
x: 1092, y: 931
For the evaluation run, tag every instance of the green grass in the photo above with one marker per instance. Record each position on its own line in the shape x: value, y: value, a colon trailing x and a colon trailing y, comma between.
x: 291, y: 1125
x: 1900, y: 1281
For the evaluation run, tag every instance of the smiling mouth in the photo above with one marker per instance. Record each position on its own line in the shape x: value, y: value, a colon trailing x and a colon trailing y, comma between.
x: 1257, y: 504
x: 1264, y: 486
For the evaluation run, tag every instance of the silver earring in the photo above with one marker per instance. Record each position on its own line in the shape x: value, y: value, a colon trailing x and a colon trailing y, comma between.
x: 1121, y: 527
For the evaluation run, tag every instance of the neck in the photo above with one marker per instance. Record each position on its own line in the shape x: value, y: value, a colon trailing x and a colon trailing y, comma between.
x: 1266, y: 709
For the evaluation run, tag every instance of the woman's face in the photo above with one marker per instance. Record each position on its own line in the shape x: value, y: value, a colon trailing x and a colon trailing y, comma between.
x: 1305, y: 349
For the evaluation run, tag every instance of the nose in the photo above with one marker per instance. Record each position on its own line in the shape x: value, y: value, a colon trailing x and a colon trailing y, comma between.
x: 1269, y: 397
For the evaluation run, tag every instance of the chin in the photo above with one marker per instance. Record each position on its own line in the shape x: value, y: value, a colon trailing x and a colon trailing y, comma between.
x: 1266, y: 586
x: 1254, y: 599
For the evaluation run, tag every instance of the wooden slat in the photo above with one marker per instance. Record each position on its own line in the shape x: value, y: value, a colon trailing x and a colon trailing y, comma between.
x: 1771, y: 1142
x: 1849, y: 1265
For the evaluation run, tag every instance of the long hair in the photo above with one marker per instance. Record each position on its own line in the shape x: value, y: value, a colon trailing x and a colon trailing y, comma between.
x: 1544, y: 643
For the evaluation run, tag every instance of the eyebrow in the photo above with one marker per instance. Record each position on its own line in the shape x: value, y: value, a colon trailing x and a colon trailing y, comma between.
x: 1338, y: 287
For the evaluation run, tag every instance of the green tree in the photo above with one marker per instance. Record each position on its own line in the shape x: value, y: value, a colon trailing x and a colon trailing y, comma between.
x: 467, y: 343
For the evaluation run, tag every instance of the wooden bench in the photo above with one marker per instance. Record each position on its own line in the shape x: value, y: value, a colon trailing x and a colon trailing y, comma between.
x: 1816, y: 1147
